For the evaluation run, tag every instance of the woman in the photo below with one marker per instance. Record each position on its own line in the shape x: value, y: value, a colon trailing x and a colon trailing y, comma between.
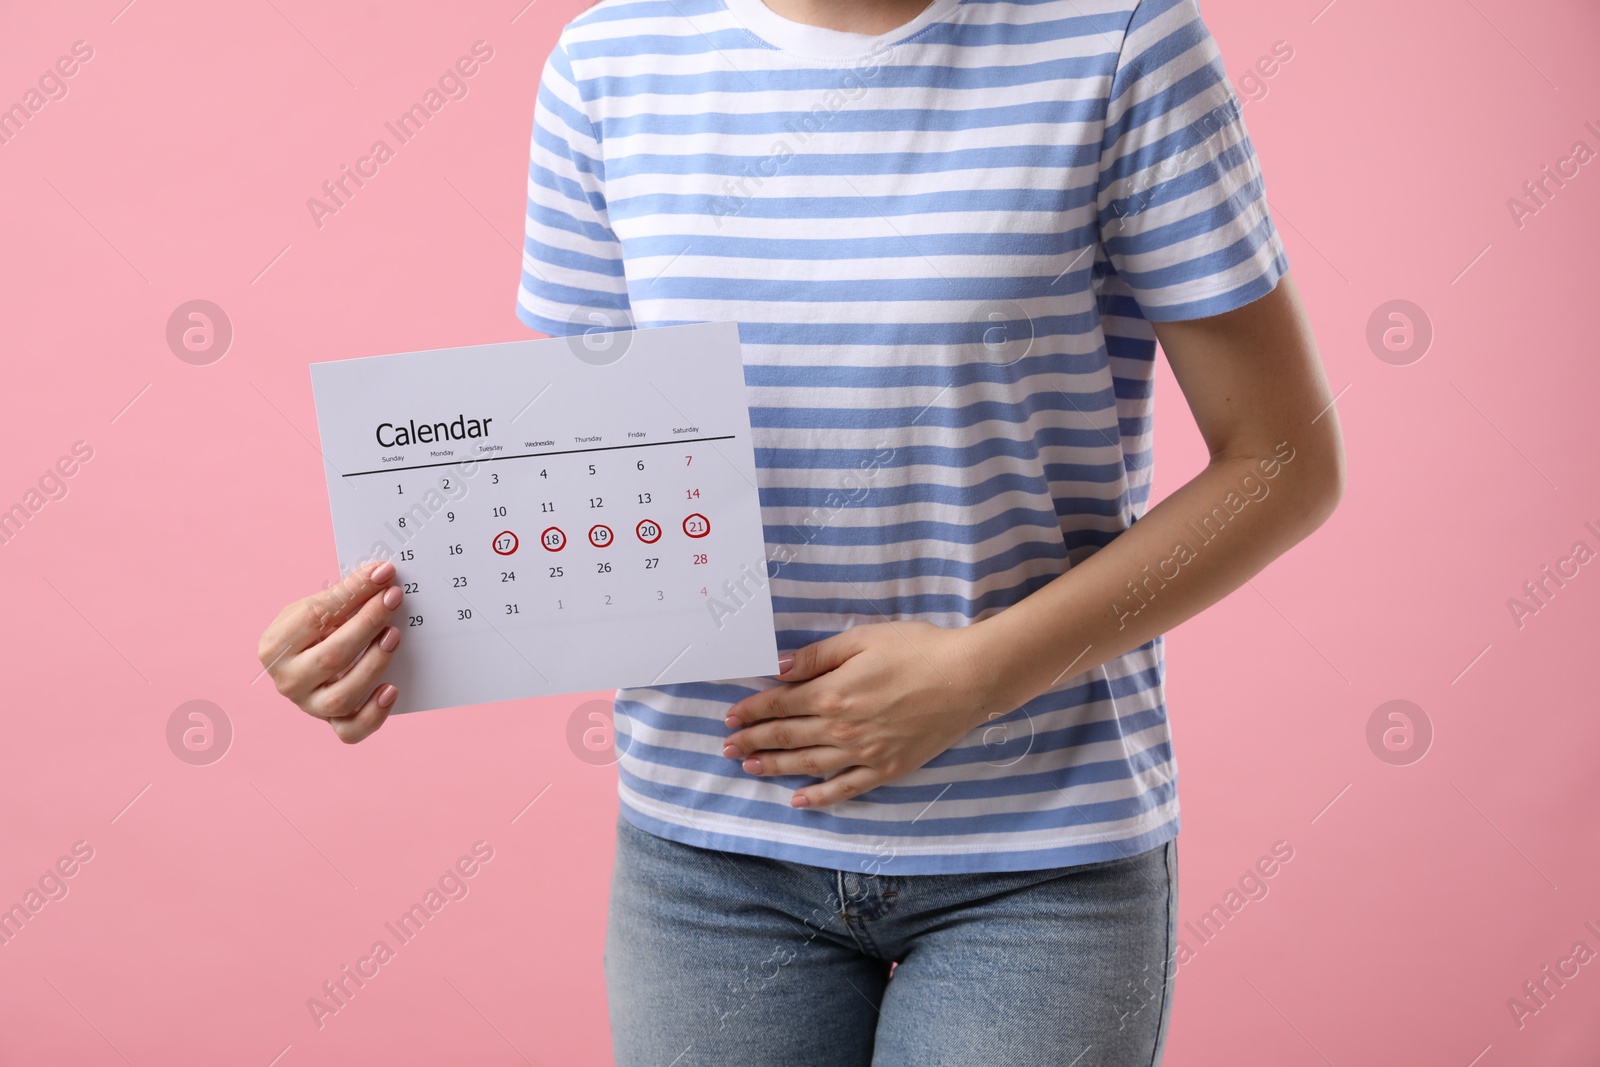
x: 951, y: 234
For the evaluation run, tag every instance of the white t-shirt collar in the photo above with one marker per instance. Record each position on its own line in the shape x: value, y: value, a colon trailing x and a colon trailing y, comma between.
x: 818, y: 43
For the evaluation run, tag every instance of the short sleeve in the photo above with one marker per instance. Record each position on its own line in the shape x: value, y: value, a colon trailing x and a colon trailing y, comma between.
x: 1182, y: 207
x: 572, y: 276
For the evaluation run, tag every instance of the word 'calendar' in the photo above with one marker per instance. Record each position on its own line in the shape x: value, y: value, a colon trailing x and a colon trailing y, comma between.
x: 564, y: 515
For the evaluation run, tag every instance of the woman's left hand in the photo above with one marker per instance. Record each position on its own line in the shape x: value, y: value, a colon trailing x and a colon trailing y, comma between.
x: 865, y: 707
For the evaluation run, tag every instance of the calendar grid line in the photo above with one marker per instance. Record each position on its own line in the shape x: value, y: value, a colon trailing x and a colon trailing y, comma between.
x: 536, y: 455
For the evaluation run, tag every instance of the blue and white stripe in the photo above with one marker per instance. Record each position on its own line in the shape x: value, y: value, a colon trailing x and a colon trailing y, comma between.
x: 872, y: 212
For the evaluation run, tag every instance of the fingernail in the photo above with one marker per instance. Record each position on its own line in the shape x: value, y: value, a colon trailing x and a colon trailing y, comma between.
x: 752, y: 765
x: 382, y: 572
x: 784, y: 663
x: 800, y: 800
x: 386, y: 695
x: 732, y: 722
x: 391, y: 597
x: 732, y: 752
x: 390, y: 640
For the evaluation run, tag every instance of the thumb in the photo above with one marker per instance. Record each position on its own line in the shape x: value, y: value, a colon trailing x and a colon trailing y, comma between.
x: 817, y: 658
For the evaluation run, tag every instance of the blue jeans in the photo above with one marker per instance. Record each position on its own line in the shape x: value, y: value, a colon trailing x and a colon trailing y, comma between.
x: 715, y: 959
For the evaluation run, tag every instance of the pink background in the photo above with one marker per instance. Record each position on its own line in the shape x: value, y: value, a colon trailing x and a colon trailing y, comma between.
x: 220, y: 897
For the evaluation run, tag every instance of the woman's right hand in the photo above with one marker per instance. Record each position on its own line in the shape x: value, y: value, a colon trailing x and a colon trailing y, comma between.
x: 327, y: 653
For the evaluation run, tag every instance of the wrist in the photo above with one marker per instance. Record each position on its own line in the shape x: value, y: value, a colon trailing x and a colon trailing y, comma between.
x: 997, y: 662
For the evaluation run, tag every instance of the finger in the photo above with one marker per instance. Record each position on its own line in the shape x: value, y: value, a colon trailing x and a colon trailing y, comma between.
x: 819, y: 657
x: 356, y: 633
x: 324, y: 612
x: 772, y: 703
x: 784, y: 733
x: 815, y: 761
x: 306, y: 621
x: 368, y: 718
x: 843, y: 786
x: 322, y: 663
x: 344, y: 695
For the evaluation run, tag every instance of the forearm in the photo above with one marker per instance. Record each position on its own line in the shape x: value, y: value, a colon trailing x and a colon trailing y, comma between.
x: 1194, y: 548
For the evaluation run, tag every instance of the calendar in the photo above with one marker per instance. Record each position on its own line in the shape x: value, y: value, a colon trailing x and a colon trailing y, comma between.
x: 564, y: 515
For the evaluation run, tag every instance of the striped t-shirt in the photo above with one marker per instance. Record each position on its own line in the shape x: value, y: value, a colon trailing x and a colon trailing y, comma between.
x: 944, y: 248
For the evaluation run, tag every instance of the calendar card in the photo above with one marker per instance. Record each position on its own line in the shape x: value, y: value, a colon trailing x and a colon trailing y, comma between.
x: 564, y: 515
